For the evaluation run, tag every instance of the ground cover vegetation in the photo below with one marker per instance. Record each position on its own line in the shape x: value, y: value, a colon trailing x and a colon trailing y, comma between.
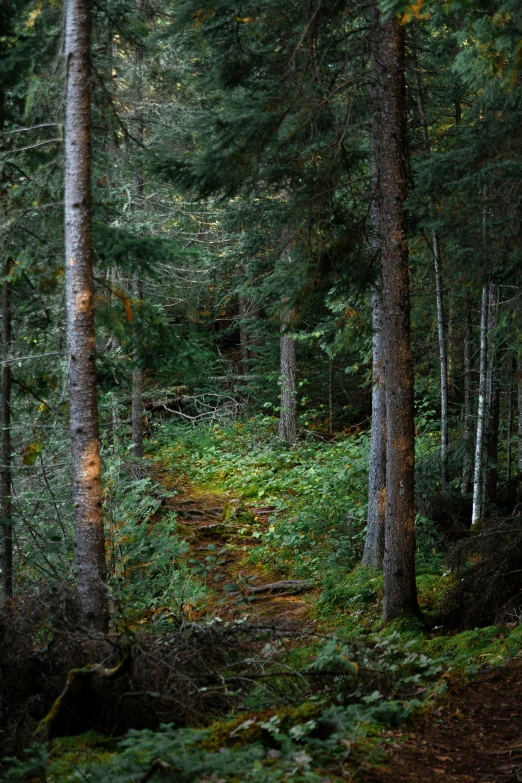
x: 260, y: 390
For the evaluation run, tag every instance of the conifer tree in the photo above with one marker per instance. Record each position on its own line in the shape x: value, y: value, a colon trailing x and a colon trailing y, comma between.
x: 400, y: 595
x: 87, y: 490
x: 6, y: 450
x: 137, y: 375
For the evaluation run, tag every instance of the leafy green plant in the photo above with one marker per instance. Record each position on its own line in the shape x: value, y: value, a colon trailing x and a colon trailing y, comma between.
x: 32, y: 766
x: 317, y: 490
x: 149, y: 576
x: 206, y: 567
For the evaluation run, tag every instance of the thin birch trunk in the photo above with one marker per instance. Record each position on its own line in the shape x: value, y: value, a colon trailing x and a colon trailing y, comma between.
x: 400, y: 594
x: 137, y: 385
x: 6, y: 521
x: 449, y: 342
x: 492, y: 405
x: 6, y: 455
x: 519, y: 411
x: 117, y: 437
x: 83, y: 401
x: 137, y: 374
x: 330, y: 397
x: 509, y: 434
x: 441, y: 332
x: 243, y: 336
x: 443, y: 363
x: 374, y: 540
x: 481, y: 413
x: 518, y: 386
x: 288, y: 413
x: 467, y: 430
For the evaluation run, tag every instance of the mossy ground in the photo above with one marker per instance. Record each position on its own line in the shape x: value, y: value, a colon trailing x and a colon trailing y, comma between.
x: 313, y: 530
x: 67, y: 755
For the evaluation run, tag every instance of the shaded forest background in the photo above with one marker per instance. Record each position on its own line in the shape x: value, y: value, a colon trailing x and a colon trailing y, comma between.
x: 238, y: 241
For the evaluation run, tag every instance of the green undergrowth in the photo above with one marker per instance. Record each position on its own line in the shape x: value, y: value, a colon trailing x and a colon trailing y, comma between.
x: 316, y: 490
x: 316, y: 494
x: 459, y: 654
x: 360, y: 681
x: 149, y: 577
x: 311, y: 743
x: 390, y: 676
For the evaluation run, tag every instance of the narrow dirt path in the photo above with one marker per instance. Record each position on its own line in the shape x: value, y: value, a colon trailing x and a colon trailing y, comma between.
x: 220, y: 532
x: 476, y: 736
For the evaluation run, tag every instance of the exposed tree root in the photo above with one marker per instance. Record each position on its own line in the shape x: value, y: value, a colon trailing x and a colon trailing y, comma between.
x: 83, y: 673
x: 288, y: 586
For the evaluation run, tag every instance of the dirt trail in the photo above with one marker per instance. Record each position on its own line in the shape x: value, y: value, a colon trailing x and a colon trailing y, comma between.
x: 475, y: 736
x: 217, y: 525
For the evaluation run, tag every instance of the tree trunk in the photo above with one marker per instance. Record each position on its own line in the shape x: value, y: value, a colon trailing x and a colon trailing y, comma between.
x: 519, y: 407
x: 5, y: 423
x: 330, y: 397
x: 83, y: 403
x: 449, y: 345
x: 443, y: 363
x: 374, y: 541
x: 400, y: 594
x: 443, y: 353
x: 509, y: 433
x: 492, y: 404
x: 467, y: 430
x: 137, y: 386
x: 288, y: 414
x: 118, y: 440
x: 481, y: 413
x: 137, y: 374
x: 243, y: 336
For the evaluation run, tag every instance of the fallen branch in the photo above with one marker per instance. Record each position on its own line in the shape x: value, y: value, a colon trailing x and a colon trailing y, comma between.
x: 200, y: 512
x: 296, y: 586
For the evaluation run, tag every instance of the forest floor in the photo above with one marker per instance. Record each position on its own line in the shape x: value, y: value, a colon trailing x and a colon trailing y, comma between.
x: 476, y: 735
x: 251, y: 534
x: 218, y: 528
x: 473, y: 735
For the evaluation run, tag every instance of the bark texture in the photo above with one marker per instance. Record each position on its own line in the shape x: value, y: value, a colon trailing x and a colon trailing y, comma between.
x: 467, y: 428
x: 443, y: 362
x: 330, y: 398
x: 519, y: 407
x: 116, y: 428
x: 492, y: 405
x: 288, y: 414
x: 443, y: 353
x: 137, y: 388
x: 400, y: 595
x: 374, y: 541
x: 86, y: 470
x: 481, y: 412
x: 243, y: 336
x: 137, y: 374
x: 6, y: 456
x: 509, y: 428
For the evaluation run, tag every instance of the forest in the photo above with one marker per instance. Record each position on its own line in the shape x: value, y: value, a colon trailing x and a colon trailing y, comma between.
x: 261, y: 391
